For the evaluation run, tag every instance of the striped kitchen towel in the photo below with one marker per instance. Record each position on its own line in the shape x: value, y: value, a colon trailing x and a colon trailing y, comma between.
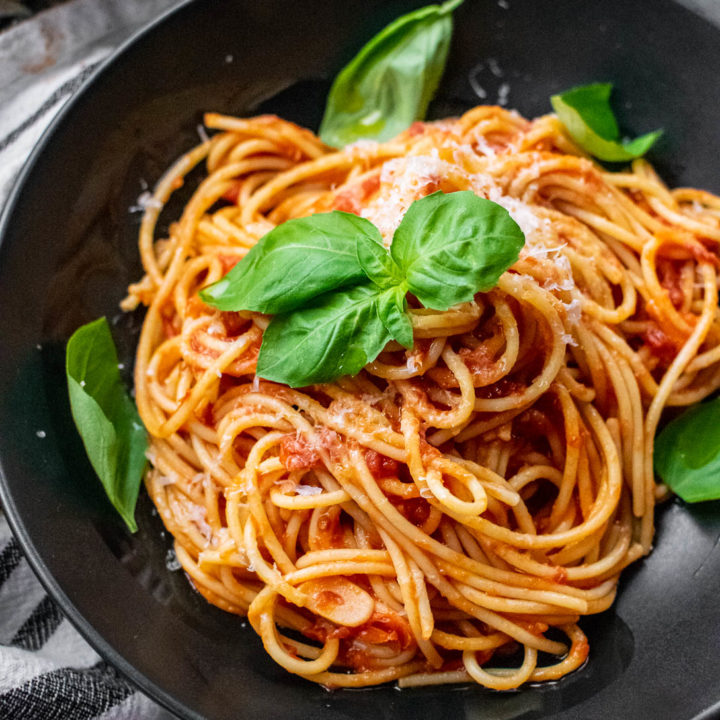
x: 47, y: 671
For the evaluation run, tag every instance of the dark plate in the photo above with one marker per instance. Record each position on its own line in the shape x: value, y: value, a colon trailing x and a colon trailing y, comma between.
x: 69, y: 251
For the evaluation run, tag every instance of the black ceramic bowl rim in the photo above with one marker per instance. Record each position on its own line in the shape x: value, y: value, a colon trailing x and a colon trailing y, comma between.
x: 34, y: 557
x: 83, y: 626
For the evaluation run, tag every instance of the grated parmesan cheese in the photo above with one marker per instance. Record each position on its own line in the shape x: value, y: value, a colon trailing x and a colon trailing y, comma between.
x: 308, y: 490
x: 402, y: 181
x: 477, y: 88
x: 363, y: 145
x: 197, y: 514
x: 494, y: 67
x: 202, y: 133
x: 171, y: 561
x: 483, y: 146
x: 339, y: 413
x: 573, y: 310
x: 503, y: 94
x: 519, y: 211
x: 145, y: 201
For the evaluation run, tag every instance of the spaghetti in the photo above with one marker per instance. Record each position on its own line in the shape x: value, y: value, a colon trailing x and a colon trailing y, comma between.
x: 451, y: 512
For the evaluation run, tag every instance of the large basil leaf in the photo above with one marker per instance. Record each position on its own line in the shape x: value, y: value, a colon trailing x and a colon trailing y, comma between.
x: 391, y: 81
x: 586, y: 113
x: 687, y: 453
x: 391, y: 308
x: 336, y: 335
x: 452, y: 246
x: 339, y: 297
x: 295, y: 262
x: 377, y: 264
x: 106, y: 418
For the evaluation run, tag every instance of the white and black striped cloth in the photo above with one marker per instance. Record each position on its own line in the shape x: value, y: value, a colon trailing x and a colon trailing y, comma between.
x: 47, y: 670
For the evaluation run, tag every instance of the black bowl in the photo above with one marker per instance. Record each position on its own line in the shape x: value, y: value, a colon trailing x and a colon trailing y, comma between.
x: 69, y: 251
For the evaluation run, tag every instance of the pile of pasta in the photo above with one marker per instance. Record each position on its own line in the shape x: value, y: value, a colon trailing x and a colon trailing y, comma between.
x: 450, y: 513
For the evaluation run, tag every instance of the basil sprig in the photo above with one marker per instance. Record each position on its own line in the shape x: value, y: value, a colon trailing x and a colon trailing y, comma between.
x: 336, y: 315
x: 106, y: 418
x: 336, y: 335
x: 586, y: 114
x: 687, y: 453
x: 294, y: 263
x: 392, y: 80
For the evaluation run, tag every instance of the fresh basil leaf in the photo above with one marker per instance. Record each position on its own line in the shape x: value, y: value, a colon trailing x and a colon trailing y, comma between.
x: 391, y: 81
x: 586, y: 114
x: 376, y: 262
x: 293, y: 263
x: 452, y: 246
x: 687, y: 453
x: 391, y: 308
x: 106, y: 418
x: 336, y: 309
x: 338, y: 334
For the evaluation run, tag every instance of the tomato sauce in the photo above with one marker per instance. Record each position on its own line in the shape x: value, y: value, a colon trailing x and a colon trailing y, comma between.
x: 233, y: 192
x: 351, y: 200
x: 296, y: 453
x: 670, y: 280
x: 299, y: 453
x: 659, y: 343
x: 381, y: 466
x: 228, y: 262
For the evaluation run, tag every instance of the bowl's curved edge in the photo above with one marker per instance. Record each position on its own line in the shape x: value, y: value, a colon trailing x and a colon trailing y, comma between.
x: 88, y: 632
x: 83, y: 626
